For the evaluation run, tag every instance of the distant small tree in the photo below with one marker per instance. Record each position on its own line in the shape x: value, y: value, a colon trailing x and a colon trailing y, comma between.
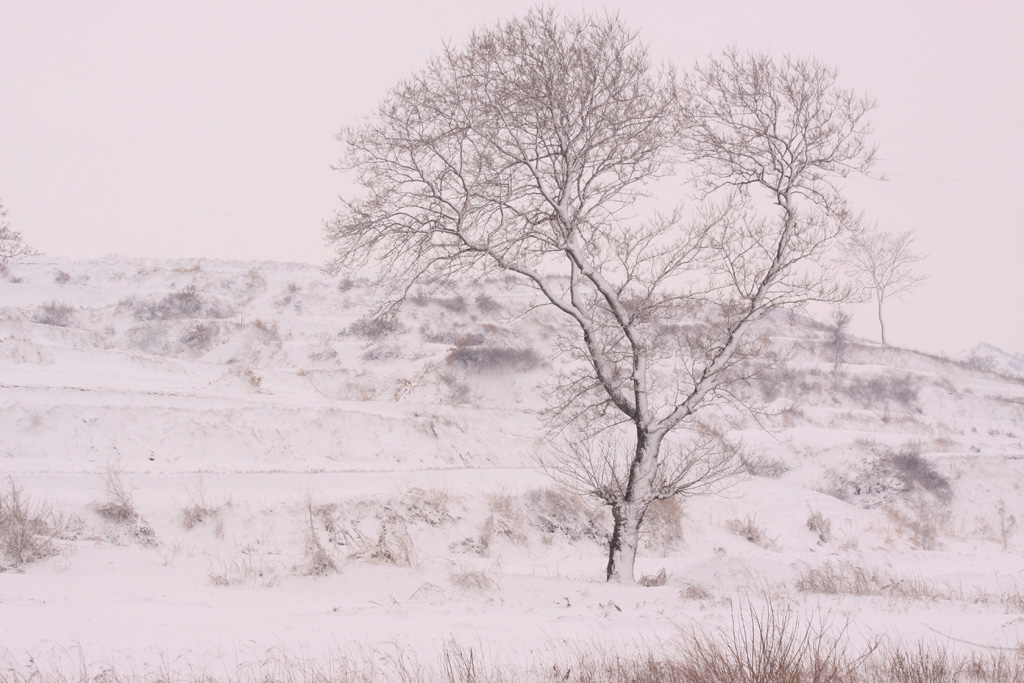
x: 528, y: 152
x: 840, y: 343
x: 11, y: 244
x: 884, y: 263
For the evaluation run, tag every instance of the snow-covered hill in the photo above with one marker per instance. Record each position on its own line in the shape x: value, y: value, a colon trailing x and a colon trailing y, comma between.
x: 240, y: 463
x: 993, y: 359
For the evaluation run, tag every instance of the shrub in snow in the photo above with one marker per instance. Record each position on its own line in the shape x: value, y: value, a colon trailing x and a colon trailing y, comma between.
x: 56, y: 314
x: 428, y: 506
x: 758, y: 465
x: 372, y: 328
x: 62, y: 277
x: 186, y: 302
x: 892, y: 475
x: 200, y: 336
x: 27, y: 529
x: 487, y: 304
x: 455, y: 304
x: 494, y: 358
x: 874, y: 392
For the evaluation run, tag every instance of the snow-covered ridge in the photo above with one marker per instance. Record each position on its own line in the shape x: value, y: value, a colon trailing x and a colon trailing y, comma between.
x: 985, y: 356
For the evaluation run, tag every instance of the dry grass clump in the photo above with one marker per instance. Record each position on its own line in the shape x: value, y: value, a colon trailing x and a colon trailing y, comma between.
x: 198, y: 510
x: 394, y: 544
x: 264, y: 331
x: 472, y: 580
x: 507, y: 519
x: 28, y: 529
x: 753, y: 531
x: 652, y: 580
x: 118, y: 505
x: 432, y: 507
x: 56, y: 314
x: 760, y: 465
x: 695, y: 591
x: 821, y: 526
x: 194, y: 514
x: 319, y: 557
x: 249, y: 566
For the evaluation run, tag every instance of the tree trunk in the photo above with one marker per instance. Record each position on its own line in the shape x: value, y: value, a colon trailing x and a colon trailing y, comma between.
x: 625, y: 539
x: 881, y: 320
x: 628, y: 513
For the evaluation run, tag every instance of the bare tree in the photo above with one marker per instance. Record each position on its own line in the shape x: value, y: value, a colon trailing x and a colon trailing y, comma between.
x: 884, y: 262
x: 528, y: 151
x: 840, y: 343
x: 11, y: 244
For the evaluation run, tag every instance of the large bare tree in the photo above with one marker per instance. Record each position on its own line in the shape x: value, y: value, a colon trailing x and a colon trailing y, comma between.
x: 884, y: 262
x: 530, y: 151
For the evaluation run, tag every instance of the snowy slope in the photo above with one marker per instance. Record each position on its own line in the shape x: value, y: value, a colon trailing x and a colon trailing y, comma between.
x: 302, y: 484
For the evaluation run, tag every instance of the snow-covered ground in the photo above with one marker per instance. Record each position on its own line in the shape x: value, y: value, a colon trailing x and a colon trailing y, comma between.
x: 300, y: 485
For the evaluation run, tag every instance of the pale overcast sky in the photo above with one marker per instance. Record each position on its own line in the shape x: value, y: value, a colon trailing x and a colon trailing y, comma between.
x: 200, y: 128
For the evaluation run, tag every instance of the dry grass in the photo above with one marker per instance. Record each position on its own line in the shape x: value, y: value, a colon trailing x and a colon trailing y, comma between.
x: 394, y: 544
x: 198, y: 510
x: 763, y: 644
x: 820, y: 525
x: 835, y: 578
x: 472, y: 580
x: 118, y: 504
x: 319, y: 557
x: 249, y: 566
x: 753, y: 531
x: 652, y: 580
